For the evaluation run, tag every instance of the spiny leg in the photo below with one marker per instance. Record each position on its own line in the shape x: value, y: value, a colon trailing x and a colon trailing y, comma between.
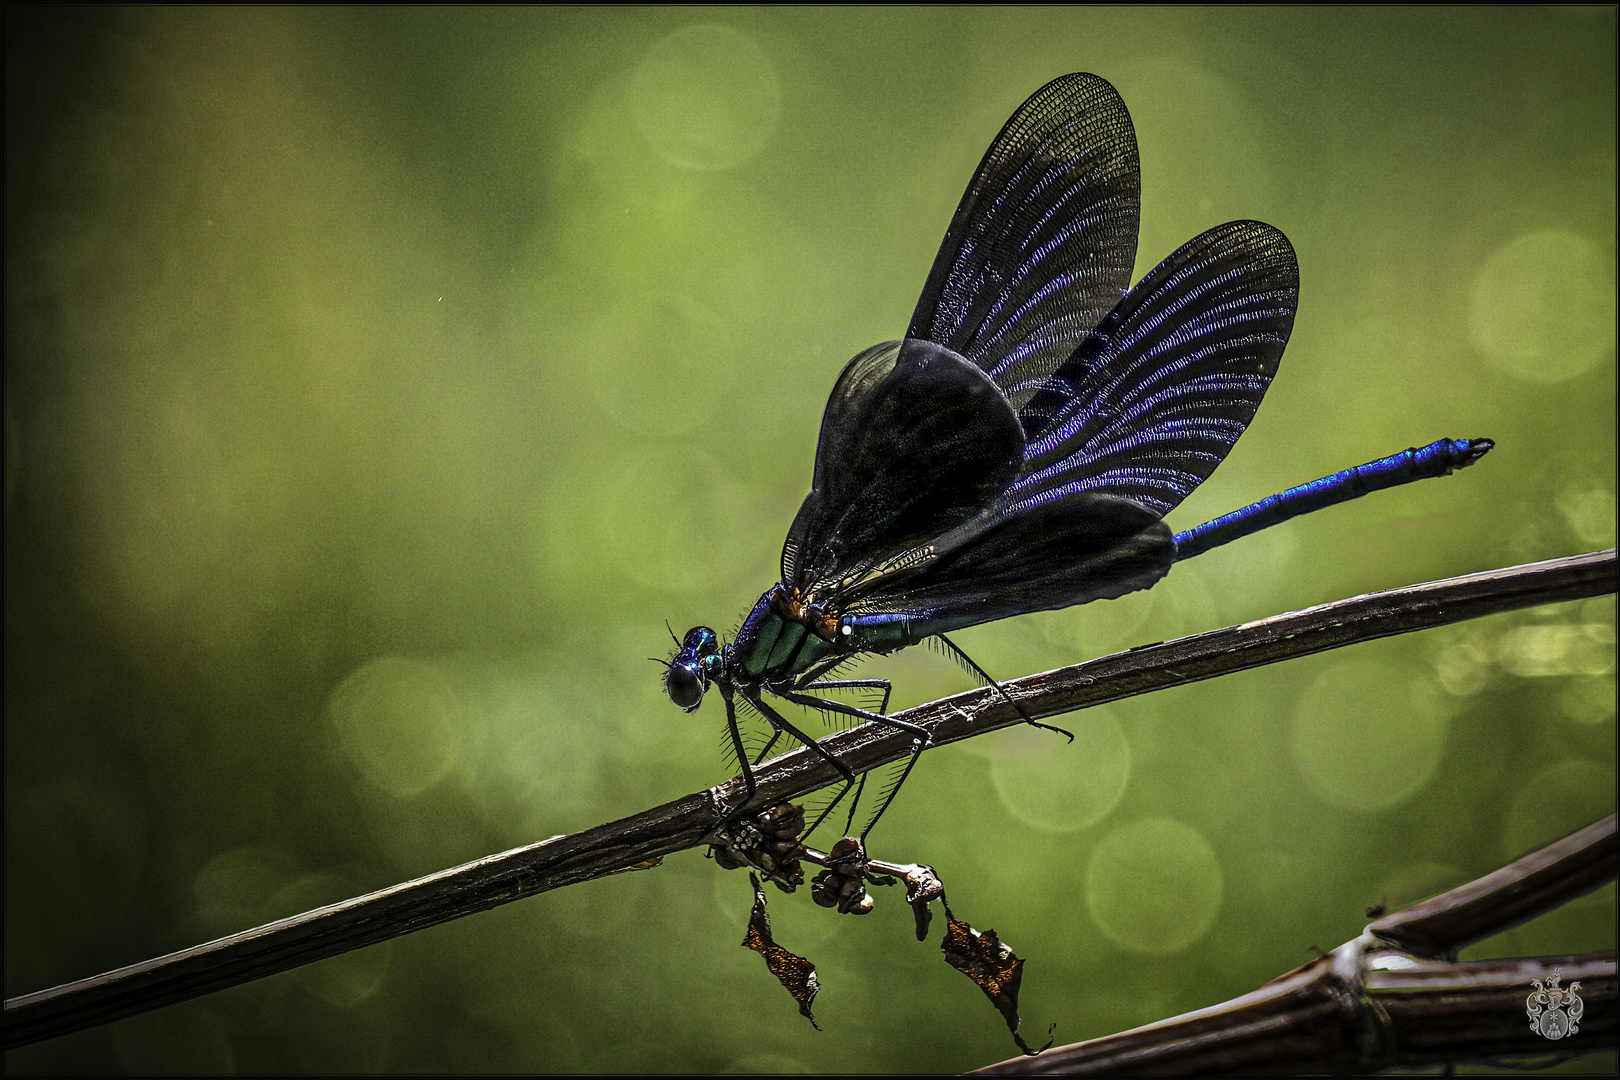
x: 851, y: 684
x: 830, y: 807
x: 828, y: 705
x: 985, y: 675
x: 888, y: 796
x: 778, y: 721
x: 824, y: 667
x: 921, y: 741
x: 742, y: 756
x: 775, y: 735
x: 809, y: 681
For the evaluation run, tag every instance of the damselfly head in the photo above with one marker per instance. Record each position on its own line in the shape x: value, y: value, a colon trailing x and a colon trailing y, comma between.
x: 686, y: 676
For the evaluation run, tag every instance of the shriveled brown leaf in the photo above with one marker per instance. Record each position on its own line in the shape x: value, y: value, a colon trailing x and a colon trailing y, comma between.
x: 992, y: 966
x: 922, y: 888
x: 794, y: 972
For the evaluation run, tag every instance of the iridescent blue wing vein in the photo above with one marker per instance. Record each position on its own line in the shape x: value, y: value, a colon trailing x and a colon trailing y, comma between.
x: 1121, y: 432
x: 1039, y: 251
x: 1152, y: 401
x: 1044, y: 240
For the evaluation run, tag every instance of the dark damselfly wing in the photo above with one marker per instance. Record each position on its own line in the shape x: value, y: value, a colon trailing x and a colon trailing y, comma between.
x: 1040, y: 249
x: 914, y: 441
x: 1126, y: 428
x: 1044, y: 240
x: 1151, y: 403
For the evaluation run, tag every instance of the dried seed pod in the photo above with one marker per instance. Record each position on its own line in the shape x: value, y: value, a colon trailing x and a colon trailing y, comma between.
x: 767, y: 841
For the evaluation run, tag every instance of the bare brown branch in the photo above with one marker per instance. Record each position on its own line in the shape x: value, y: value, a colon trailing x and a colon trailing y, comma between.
x: 1368, y: 1006
x: 1514, y: 894
x: 1316, y: 1020
x: 684, y: 823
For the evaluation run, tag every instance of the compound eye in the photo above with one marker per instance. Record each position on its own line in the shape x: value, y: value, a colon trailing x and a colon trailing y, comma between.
x: 685, y: 686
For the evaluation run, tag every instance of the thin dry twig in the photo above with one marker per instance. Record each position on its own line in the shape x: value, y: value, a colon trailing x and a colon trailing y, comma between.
x: 1371, y: 1005
x: 637, y: 841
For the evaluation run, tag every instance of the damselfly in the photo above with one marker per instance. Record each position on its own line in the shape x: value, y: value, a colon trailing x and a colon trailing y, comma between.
x: 1017, y: 451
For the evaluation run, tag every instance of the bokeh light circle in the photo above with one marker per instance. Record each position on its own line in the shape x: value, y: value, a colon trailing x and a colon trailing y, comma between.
x: 706, y: 97
x: 175, y: 1041
x: 398, y: 722
x: 1054, y: 786
x: 1366, y: 735
x: 1543, y: 307
x: 1560, y: 799
x: 1154, y: 886
x: 347, y: 979
x: 656, y: 359
x: 229, y: 891
x: 1411, y: 882
x: 1187, y: 118
x: 655, y: 520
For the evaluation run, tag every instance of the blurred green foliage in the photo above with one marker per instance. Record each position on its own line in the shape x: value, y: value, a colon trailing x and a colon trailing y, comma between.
x: 379, y: 381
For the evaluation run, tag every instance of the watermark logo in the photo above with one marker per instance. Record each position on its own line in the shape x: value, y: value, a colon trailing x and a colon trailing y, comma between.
x: 1554, y: 1011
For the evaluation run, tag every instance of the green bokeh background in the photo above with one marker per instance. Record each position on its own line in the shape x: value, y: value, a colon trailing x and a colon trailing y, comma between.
x: 378, y: 382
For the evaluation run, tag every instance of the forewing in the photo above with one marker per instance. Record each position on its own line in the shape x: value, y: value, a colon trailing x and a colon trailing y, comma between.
x: 1088, y: 546
x: 1131, y: 423
x: 915, y: 440
x: 1151, y: 403
x: 1044, y: 240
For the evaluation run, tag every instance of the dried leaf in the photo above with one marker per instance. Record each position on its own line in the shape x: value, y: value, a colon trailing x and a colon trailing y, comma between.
x: 922, y: 887
x: 794, y: 972
x: 991, y: 964
x: 924, y: 915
